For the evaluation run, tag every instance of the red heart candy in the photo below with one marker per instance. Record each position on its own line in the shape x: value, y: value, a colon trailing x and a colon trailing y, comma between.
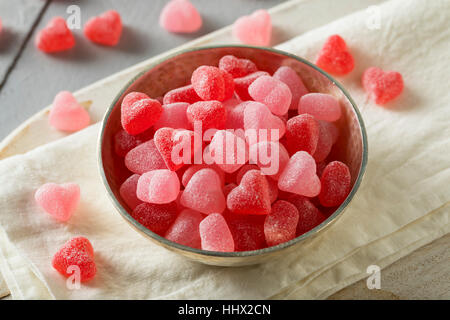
x: 105, y: 29
x: 211, y: 114
x: 182, y: 94
x: 241, y: 84
x: 334, y: 56
x: 156, y: 217
x: 139, y: 112
x: 237, y: 67
x: 382, y: 86
x: 252, y: 196
x: 302, y: 134
x: 56, y: 36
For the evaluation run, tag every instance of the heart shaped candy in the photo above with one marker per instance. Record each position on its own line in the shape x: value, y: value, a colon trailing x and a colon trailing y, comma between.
x: 56, y: 36
x: 302, y: 134
x: 255, y: 29
x: 139, y: 112
x: 237, y: 67
x: 382, y: 86
x: 210, y: 114
x: 104, y: 29
x: 145, y: 157
x: 260, y: 124
x: 67, y: 114
x: 60, y: 201
x: 180, y: 16
x: 228, y: 150
x: 334, y: 57
x: 274, y: 93
x: 158, y: 186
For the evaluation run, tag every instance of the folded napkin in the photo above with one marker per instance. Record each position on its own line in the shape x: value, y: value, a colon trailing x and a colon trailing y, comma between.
x: 401, y: 205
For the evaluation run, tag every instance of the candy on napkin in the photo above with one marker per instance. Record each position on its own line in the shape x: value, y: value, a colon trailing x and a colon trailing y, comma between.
x: 66, y: 114
x: 241, y: 84
x: 247, y: 231
x: 128, y: 191
x: 336, y: 184
x: 382, y: 86
x: 145, y: 157
x: 260, y: 124
x: 334, y: 57
x: 191, y: 170
x: 212, y: 83
x: 237, y: 67
x: 56, y: 36
x: 272, y: 92
x: 270, y: 156
x: 104, y: 29
x: 185, y: 229
x: 183, y: 94
x: 302, y: 134
x: 174, y: 116
x: 58, y: 200
x: 281, y: 223
x: 180, y: 16
x: 299, y: 176
x: 215, y: 234
x: 139, y: 112
x: 228, y: 150
x: 324, y: 143
x: 156, y: 217
x: 204, y: 193
x: 255, y: 29
x: 321, y: 106
x: 309, y: 215
x: 211, y: 114
x: 293, y: 81
x: 252, y: 196
x: 77, y: 252
x: 158, y: 186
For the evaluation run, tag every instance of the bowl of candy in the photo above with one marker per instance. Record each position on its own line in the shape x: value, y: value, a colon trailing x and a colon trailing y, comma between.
x: 232, y: 155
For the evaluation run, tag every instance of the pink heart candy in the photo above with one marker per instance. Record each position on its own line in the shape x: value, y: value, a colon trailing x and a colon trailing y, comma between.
x: 382, y: 86
x: 299, y: 176
x: 185, y: 229
x: 215, y: 234
x: 229, y: 151
x: 255, y: 29
x: 67, y: 114
x: 259, y: 123
x: 158, y: 186
x: 321, y: 106
x: 128, y: 191
x: 270, y: 156
x: 293, y: 81
x: 60, y: 201
x: 180, y: 16
x: 274, y: 93
x: 174, y: 116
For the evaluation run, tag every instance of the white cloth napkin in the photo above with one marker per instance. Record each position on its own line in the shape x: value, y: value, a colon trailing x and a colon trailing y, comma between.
x: 401, y: 205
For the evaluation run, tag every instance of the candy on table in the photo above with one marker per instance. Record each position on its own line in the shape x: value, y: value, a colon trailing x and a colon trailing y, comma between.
x: 235, y: 115
x: 139, y: 112
x: 77, y: 252
x: 309, y: 215
x: 66, y: 114
x: 281, y: 223
x: 302, y: 134
x: 336, y: 184
x: 321, y: 106
x: 241, y: 84
x: 180, y: 16
x: 324, y: 143
x: 104, y: 29
x: 229, y: 151
x: 382, y: 86
x: 211, y: 114
x: 227, y: 189
x: 204, y: 193
x: 272, y: 92
x: 145, y: 157
x: 270, y: 156
x: 299, y: 176
x: 334, y: 57
x: 237, y: 67
x: 212, y: 83
x: 255, y: 29
x: 58, y: 200
x: 185, y: 229
x: 251, y: 196
x: 156, y: 217
x: 174, y: 116
x: 128, y: 191
x: 158, y: 186
x: 176, y: 146
x: 247, y: 231
x: 124, y: 142
x: 293, y: 81
x: 260, y: 124
x: 191, y: 170
x: 215, y: 234
x: 56, y: 36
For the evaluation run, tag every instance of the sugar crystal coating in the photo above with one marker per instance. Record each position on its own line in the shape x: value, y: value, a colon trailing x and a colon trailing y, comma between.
x: 270, y: 156
x: 104, y: 29
x: 281, y: 223
x: 60, y: 201
x: 309, y: 215
x: 302, y: 134
x: 180, y: 16
x: 211, y: 114
x: 182, y: 94
x: 321, y: 106
x: 336, y: 184
x: 272, y: 92
x: 158, y: 186
x: 190, y: 171
x: 237, y: 67
x: 212, y: 83
x: 255, y: 29
x: 215, y: 234
x: 128, y: 189
x: 324, y: 143
x: 382, y: 86
x: 260, y: 124
x: 241, y: 84
x: 156, y: 217
x: 66, y: 114
x: 185, y: 229
x: 290, y: 77
x: 334, y: 57
x: 145, y: 157
x: 247, y: 231
x: 139, y: 112
x: 228, y: 150
x: 56, y: 36
x: 174, y: 116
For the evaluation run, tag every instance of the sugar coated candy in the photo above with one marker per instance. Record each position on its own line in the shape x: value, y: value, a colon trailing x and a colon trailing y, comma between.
x: 324, y: 143
x: 321, y: 106
x: 156, y: 217
x: 180, y: 16
x: 215, y: 234
x: 124, y: 142
x: 281, y: 223
x: 145, y: 157
x: 255, y: 29
x: 382, y: 86
x: 270, y: 156
x: 128, y: 189
x: 212, y: 83
x: 185, y: 229
x: 309, y: 215
x: 104, y: 29
x: 59, y: 200
x: 260, y: 124
x: 302, y: 134
x: 77, y: 252
x: 182, y: 94
x: 139, y: 112
x: 158, y: 186
x: 235, y: 115
x: 247, y: 231
x: 272, y: 92
x: 56, y: 36
x: 237, y: 67
x: 190, y: 171
x: 66, y: 114
x: 228, y: 150
x: 290, y: 77
x: 241, y: 84
x: 174, y: 116
x: 336, y: 184
x: 334, y: 57
x: 210, y: 114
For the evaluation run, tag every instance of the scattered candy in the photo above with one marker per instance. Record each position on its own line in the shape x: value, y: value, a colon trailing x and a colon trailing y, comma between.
x: 158, y: 186
x: 212, y: 83
x: 302, y: 134
x: 321, y: 106
x: 180, y: 16
x: 382, y: 86
x: 145, y: 157
x: 185, y: 229
x: 56, y: 36
x: 183, y: 94
x: 300, y: 176
x: 228, y: 150
x: 272, y: 92
x: 211, y: 114
x: 281, y: 223
x: 128, y: 191
x: 255, y: 29
x: 259, y: 121
x: 174, y: 116
x: 294, y: 82
x: 156, y: 217
x: 66, y: 114
x: 215, y: 234
x: 336, y: 184
x: 237, y: 67
x: 104, y: 29
x: 241, y: 84
x: 334, y: 57
x: 139, y: 112
x: 60, y: 201
x: 77, y: 252
x: 309, y: 215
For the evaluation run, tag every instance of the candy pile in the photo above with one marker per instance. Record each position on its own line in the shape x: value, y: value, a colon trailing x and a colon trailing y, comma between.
x: 237, y: 160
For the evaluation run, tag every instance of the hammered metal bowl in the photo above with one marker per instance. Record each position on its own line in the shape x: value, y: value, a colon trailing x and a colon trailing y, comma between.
x: 175, y: 71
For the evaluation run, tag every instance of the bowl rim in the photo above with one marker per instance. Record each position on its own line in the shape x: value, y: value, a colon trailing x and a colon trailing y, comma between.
x: 235, y: 254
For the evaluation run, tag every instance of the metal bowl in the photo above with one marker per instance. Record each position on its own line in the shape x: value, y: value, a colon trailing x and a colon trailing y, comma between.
x: 175, y: 71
